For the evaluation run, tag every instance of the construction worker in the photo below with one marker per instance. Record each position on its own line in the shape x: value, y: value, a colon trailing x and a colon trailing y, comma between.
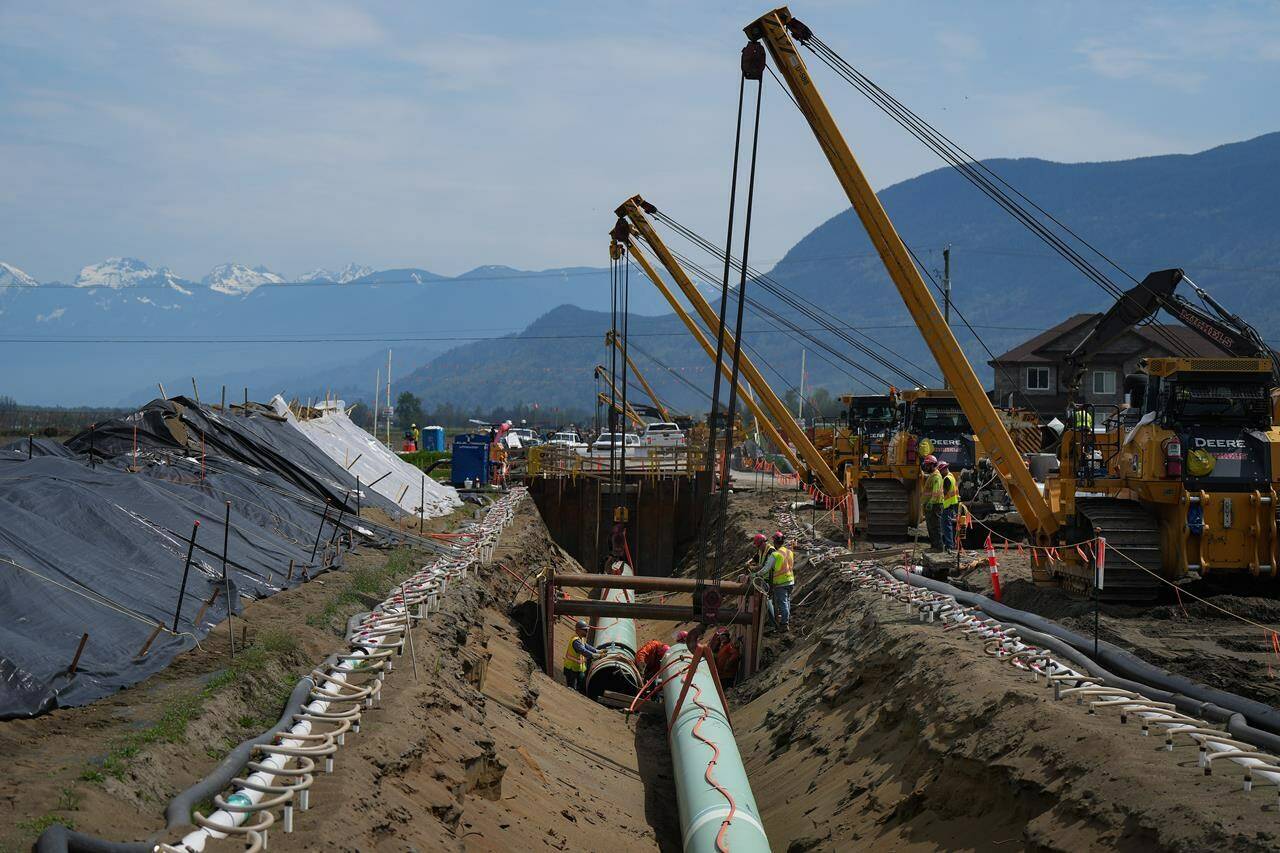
x: 649, y: 658
x: 1082, y: 418
x: 417, y: 437
x: 728, y: 657
x: 779, y: 570
x: 933, y: 497
x: 950, y: 506
x: 577, y: 657
x: 762, y: 552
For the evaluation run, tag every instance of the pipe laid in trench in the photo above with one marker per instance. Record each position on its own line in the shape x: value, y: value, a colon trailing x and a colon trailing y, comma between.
x: 615, y: 668
x: 718, y: 812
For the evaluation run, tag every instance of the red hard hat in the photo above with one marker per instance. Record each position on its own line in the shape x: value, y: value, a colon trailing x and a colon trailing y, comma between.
x: 777, y: 536
x: 759, y: 538
x: 681, y: 636
x: 665, y: 648
x: 943, y: 465
x: 929, y: 460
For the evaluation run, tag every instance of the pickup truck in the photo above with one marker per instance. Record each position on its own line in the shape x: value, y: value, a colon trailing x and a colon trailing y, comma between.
x: 663, y: 435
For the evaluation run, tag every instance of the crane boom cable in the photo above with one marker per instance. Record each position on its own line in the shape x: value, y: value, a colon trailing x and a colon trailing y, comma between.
x: 807, y: 309
x: 976, y: 173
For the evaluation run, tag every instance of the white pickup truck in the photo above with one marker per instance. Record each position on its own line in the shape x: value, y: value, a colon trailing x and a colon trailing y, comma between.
x: 663, y: 435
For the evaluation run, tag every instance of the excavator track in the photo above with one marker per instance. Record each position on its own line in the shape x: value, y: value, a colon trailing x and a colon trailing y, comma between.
x: 888, y: 509
x: 1128, y: 528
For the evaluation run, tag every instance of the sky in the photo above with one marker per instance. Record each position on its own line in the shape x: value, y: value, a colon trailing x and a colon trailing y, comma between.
x: 315, y: 133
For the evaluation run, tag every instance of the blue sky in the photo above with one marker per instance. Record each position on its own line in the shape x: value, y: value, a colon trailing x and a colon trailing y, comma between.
x: 446, y: 136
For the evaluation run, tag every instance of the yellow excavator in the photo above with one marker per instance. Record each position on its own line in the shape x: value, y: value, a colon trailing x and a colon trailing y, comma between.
x: 1185, y: 480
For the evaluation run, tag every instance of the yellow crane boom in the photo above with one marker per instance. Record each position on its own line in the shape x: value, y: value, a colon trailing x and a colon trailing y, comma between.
x: 766, y: 426
x: 611, y: 338
x: 633, y: 210
x: 1036, y: 513
x: 631, y: 413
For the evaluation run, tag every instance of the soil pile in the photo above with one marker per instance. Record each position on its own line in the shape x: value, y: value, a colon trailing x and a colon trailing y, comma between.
x: 869, y: 729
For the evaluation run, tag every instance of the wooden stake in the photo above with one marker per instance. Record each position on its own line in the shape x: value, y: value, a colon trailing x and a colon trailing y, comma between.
x: 151, y: 639
x: 195, y: 391
x: 79, y: 649
x: 186, y: 569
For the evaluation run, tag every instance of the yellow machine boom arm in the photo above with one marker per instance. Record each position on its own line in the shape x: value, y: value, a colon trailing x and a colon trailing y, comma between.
x: 610, y: 338
x: 766, y: 426
x: 1035, y: 510
x: 634, y: 212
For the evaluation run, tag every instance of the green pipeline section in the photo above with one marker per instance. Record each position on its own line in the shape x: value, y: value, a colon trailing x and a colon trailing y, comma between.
x: 615, y: 668
x: 720, y: 814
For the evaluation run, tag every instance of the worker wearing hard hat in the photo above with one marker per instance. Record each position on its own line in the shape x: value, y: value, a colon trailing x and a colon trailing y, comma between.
x: 649, y: 658
x: 932, y: 501
x: 577, y: 657
x: 950, y: 506
x: 417, y: 436
x: 761, y: 553
x: 779, y: 571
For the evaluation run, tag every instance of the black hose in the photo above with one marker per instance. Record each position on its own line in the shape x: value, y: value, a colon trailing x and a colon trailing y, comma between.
x: 59, y: 839
x: 1254, y: 715
x: 178, y: 812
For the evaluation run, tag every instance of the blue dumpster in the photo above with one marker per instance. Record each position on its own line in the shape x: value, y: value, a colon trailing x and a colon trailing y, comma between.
x: 433, y: 438
x: 470, y: 459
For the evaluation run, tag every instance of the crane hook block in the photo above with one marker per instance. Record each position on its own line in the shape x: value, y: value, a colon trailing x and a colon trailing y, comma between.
x: 799, y: 31
x: 753, y: 60
x: 621, y: 231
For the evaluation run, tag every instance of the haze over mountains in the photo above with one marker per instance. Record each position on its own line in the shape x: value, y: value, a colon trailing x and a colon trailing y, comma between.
x: 1211, y: 213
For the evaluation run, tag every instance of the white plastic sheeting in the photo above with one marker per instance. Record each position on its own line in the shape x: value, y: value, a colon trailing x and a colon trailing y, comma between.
x: 369, y: 459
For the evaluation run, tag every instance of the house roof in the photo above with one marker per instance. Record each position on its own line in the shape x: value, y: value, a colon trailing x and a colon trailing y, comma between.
x: 1026, y: 351
x: 1157, y: 334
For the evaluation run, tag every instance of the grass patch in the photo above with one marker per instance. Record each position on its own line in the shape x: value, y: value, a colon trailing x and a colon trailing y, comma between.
x: 171, y: 727
x: 423, y: 459
x: 37, y: 825
x: 361, y: 584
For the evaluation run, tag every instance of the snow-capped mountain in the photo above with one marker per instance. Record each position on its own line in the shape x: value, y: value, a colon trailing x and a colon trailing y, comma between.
x: 11, y: 277
x: 119, y: 273
x: 238, y: 279
x: 349, y: 273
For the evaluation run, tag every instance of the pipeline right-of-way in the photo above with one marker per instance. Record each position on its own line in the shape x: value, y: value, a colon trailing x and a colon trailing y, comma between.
x: 718, y: 812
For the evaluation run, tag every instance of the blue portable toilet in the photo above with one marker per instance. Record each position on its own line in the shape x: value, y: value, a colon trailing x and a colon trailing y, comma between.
x: 470, y: 459
x: 433, y: 438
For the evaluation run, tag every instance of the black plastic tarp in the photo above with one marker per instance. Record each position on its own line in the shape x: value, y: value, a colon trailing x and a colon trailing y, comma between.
x: 94, y: 536
x: 254, y: 436
x: 101, y: 550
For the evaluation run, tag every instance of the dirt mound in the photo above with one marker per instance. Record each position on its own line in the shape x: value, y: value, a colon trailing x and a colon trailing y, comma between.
x: 868, y: 729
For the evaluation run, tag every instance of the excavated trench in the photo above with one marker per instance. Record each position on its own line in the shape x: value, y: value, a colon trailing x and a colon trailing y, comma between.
x: 867, y: 728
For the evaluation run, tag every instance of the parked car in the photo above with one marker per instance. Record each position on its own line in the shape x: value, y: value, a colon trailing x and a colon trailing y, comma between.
x: 528, y: 438
x: 608, y: 440
x: 566, y: 439
x: 663, y: 435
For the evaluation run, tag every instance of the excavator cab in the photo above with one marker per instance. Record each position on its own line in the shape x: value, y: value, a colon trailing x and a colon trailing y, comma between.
x: 937, y: 425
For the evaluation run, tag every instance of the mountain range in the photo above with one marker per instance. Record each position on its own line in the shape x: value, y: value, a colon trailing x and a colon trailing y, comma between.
x: 123, y: 326
x: 498, y: 335
x: 1211, y: 213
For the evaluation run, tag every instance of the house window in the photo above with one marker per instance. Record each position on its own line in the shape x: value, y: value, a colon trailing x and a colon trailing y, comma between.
x: 1104, y: 383
x: 1037, y: 379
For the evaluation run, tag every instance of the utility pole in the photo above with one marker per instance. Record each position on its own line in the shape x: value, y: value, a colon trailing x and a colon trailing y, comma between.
x: 800, y: 405
x: 946, y: 292
x: 946, y: 284
x: 388, y: 401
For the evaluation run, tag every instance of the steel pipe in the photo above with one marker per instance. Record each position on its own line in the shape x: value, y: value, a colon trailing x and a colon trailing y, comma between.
x: 648, y: 584
x: 615, y: 637
x: 717, y: 809
x: 667, y: 612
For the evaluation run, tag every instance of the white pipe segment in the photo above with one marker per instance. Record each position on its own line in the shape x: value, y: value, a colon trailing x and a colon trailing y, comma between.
x: 379, y: 634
